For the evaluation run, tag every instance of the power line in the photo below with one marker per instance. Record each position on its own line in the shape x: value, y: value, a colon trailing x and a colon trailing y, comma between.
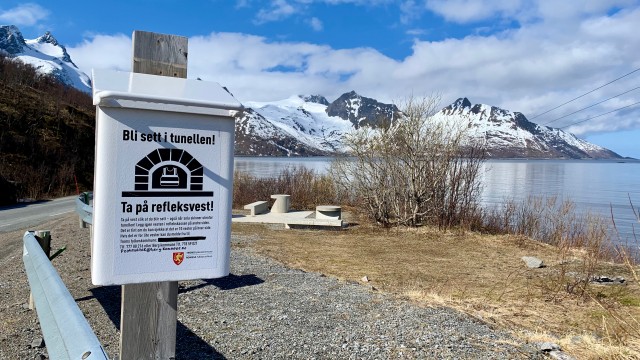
x: 597, y: 116
x: 584, y: 108
x: 587, y: 93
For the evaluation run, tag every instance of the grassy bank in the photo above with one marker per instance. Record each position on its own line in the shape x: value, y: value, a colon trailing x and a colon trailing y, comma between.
x: 482, y: 275
x: 481, y: 272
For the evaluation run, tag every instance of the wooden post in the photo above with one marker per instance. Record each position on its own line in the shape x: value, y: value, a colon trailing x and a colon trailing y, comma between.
x: 160, y: 54
x: 44, y: 239
x: 149, y: 311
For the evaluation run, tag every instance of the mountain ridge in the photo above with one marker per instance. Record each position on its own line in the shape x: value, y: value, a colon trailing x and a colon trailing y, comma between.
x: 308, y: 125
x: 318, y: 130
x: 511, y: 134
x: 45, y: 54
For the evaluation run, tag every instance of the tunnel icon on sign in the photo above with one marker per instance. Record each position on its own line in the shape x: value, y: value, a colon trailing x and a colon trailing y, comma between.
x: 169, y: 178
x: 168, y: 172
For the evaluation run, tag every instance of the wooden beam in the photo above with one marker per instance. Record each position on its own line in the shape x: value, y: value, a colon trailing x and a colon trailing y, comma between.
x: 148, y: 321
x: 149, y: 311
x: 160, y: 54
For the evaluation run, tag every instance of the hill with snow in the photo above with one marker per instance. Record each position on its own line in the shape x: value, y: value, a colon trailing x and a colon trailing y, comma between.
x: 305, y: 125
x: 508, y: 134
x: 45, y: 54
x: 311, y: 125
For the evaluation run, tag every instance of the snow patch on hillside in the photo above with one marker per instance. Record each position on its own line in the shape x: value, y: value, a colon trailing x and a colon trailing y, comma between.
x: 308, y: 122
x: 501, y: 129
x: 47, y: 56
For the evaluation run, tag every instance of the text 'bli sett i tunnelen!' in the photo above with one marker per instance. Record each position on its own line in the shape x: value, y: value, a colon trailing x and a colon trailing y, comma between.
x: 134, y: 135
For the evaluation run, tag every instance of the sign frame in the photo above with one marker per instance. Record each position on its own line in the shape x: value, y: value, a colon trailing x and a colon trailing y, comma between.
x: 163, y: 178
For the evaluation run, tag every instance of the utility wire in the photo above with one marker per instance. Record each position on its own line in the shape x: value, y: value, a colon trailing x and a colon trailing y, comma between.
x: 584, y: 108
x: 587, y: 93
x: 597, y: 116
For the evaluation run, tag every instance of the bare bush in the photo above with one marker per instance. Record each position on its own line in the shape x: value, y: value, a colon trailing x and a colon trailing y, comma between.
x: 548, y: 220
x: 413, y: 170
x: 306, y: 187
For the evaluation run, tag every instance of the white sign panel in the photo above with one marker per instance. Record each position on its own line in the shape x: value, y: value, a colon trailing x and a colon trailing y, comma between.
x: 162, y: 191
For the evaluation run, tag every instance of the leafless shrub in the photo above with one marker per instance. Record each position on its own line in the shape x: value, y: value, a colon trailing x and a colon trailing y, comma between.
x: 63, y: 182
x: 583, y: 239
x: 414, y: 170
x: 306, y: 187
x: 545, y: 219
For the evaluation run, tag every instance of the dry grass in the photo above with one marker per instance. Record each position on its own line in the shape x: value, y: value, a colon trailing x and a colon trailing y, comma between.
x: 306, y: 187
x: 482, y: 275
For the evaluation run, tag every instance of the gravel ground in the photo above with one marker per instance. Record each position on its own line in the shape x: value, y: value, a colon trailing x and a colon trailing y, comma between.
x: 263, y: 310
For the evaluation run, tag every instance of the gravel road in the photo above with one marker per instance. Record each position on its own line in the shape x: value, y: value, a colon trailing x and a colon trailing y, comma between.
x: 263, y: 310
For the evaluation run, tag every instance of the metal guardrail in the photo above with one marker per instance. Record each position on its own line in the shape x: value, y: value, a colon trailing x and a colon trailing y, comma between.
x: 66, y: 332
x: 84, y: 207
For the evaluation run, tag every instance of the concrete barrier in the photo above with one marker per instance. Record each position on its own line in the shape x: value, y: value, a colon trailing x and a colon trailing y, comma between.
x: 328, y: 212
x: 257, y: 207
x: 282, y: 203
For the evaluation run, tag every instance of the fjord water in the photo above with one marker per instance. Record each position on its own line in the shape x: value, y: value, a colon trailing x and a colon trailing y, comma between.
x: 600, y: 186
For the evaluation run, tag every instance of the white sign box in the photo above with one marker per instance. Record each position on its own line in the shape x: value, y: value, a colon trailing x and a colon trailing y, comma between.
x: 163, y: 178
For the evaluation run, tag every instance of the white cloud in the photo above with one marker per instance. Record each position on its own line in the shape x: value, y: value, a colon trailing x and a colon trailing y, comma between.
x: 316, y: 24
x: 530, y: 69
x: 28, y: 14
x: 416, y: 32
x: 102, y: 52
x: 410, y: 10
x: 278, y: 10
x: 522, y: 11
x: 355, y: 2
x: 242, y: 3
x: 463, y: 11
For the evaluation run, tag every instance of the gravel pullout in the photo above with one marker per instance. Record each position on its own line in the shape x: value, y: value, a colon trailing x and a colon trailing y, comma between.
x: 263, y: 310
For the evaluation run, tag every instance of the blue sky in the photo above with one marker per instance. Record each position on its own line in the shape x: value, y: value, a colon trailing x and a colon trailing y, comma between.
x: 522, y: 55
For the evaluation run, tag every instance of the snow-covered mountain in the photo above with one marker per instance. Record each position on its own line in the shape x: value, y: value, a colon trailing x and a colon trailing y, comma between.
x: 510, y: 135
x: 310, y: 125
x: 361, y: 111
x: 45, y: 54
x: 305, y: 125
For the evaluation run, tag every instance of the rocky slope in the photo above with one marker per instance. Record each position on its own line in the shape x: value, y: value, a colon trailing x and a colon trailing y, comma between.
x: 46, y: 135
x: 362, y: 111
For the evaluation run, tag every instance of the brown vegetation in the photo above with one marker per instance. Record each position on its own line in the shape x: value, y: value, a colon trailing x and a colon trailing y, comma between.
x: 307, y: 189
x: 482, y: 275
x: 414, y: 171
x: 476, y: 266
x: 46, y: 133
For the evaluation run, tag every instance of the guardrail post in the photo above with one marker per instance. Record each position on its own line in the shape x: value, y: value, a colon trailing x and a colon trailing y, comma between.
x: 84, y: 198
x: 44, y: 239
